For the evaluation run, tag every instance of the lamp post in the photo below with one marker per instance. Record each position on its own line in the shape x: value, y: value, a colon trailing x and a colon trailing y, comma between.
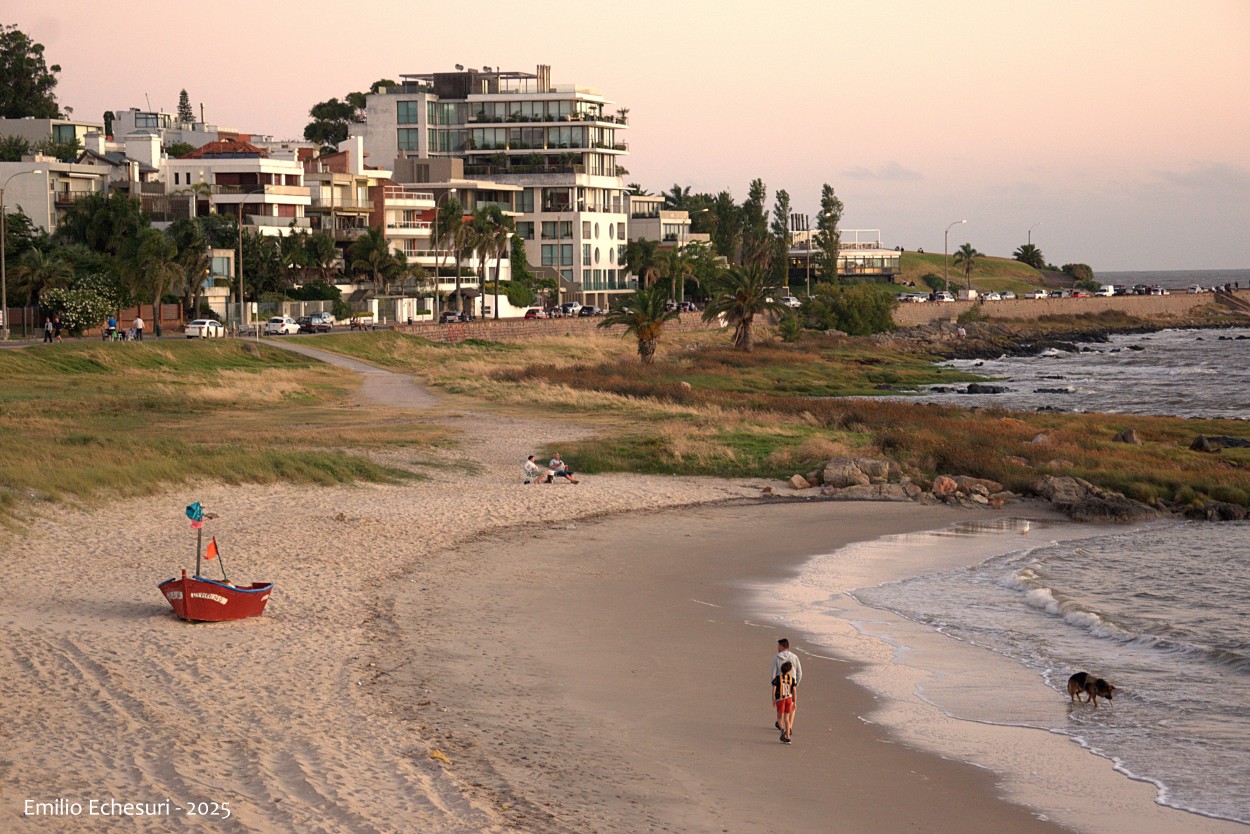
x: 1031, y: 228
x: 946, y: 277
x: 4, y: 278
x: 434, y: 305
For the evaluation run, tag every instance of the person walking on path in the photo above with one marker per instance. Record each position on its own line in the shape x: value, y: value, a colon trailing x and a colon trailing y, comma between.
x: 783, y: 656
x: 57, y: 327
x: 47, y: 330
x: 785, y: 698
x: 111, y: 332
x: 138, y: 329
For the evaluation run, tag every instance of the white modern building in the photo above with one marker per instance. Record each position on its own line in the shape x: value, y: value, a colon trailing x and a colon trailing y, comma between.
x: 560, y: 144
x: 860, y: 255
x: 171, y: 131
x: 239, y: 178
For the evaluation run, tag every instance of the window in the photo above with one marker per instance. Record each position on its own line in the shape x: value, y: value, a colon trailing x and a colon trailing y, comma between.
x: 176, y: 178
x: 596, y: 231
x: 620, y: 230
x: 407, y: 112
x: 63, y: 134
x: 525, y: 229
x: 549, y: 253
x: 549, y: 230
x: 408, y: 138
x: 611, y: 231
x: 585, y: 254
x: 586, y: 229
x: 566, y: 254
x: 611, y: 255
x: 596, y: 256
x: 525, y: 201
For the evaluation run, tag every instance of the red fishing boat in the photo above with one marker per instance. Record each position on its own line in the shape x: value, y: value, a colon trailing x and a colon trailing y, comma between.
x: 199, y: 599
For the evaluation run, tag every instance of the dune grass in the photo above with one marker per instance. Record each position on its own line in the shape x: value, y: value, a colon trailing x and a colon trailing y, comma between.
x: 987, y: 273
x: 85, y: 420
x: 705, y: 409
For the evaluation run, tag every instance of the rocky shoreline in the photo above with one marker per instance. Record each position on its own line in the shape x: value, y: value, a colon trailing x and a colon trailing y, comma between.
x: 877, y: 479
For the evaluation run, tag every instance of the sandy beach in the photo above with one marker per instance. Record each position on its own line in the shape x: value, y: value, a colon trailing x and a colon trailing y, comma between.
x: 459, y: 654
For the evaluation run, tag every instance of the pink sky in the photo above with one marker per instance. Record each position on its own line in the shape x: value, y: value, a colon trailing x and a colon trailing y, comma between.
x: 1120, y: 131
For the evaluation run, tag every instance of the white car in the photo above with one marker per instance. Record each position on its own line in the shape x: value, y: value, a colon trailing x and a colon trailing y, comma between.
x: 1007, y: 295
x: 791, y: 301
x: 323, y: 320
x: 1038, y: 294
x: 281, y: 326
x: 991, y: 296
x: 204, y: 329
x: 943, y: 296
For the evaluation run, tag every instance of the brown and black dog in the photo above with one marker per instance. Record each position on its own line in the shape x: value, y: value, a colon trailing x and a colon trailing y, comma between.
x: 1092, y: 687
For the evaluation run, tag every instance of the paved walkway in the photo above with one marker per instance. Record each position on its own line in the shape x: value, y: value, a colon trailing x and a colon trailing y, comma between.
x: 381, y: 386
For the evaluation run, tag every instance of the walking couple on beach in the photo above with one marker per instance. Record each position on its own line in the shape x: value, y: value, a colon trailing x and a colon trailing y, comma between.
x: 786, y: 674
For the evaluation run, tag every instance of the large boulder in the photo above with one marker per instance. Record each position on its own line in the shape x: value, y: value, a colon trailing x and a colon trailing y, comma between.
x: 844, y: 472
x: 970, y: 485
x: 1202, y: 444
x: 799, y: 482
x: 1128, y: 436
x: 869, y: 492
x: 1083, y: 501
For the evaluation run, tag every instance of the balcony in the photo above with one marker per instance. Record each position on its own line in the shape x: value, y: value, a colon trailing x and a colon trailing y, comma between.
x: 342, y: 205
x: 402, y: 194
x: 405, y: 227
x: 68, y: 198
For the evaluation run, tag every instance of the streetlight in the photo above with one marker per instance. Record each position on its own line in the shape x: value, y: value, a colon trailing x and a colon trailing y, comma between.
x: 4, y: 279
x: 434, y: 305
x: 1031, y: 228
x: 946, y: 277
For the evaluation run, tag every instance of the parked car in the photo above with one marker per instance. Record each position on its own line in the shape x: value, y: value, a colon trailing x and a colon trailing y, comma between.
x: 912, y: 298
x: 204, y: 329
x: 1080, y: 294
x: 570, y: 308
x: 1106, y: 290
x: 943, y: 296
x: 991, y: 296
x: 1038, y: 294
x: 791, y: 301
x: 281, y: 326
x: 1008, y: 295
x: 451, y: 317
x: 323, y: 321
x: 305, y: 323
x: 535, y: 313
x: 589, y: 310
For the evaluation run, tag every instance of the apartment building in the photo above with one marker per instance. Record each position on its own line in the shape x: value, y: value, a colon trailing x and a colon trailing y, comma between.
x: 61, y: 131
x: 560, y: 144
x: 172, y: 131
x: 238, y: 178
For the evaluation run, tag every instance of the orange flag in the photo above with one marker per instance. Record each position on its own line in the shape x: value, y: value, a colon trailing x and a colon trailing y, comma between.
x: 211, y: 553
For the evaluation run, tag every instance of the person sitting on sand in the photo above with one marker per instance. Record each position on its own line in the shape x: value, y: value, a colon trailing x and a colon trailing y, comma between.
x: 535, y: 473
x: 557, y: 468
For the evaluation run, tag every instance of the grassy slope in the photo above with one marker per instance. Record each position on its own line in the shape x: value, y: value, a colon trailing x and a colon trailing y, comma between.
x: 776, y: 412
x: 81, y: 420
x: 987, y: 274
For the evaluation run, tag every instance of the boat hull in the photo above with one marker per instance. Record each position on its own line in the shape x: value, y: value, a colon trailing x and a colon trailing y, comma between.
x: 205, y: 600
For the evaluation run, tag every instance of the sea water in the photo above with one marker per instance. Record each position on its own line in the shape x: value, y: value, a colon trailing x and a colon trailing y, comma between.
x: 1160, y: 610
x: 1182, y: 373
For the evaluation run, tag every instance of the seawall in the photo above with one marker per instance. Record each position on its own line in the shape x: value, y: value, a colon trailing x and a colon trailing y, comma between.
x: 512, y: 330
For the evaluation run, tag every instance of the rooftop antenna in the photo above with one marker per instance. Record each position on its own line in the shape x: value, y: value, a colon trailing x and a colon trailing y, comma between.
x: 149, y: 101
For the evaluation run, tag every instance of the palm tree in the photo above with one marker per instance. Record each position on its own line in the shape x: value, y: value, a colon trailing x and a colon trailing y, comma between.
x: 678, y: 266
x: 642, y: 257
x: 320, y: 255
x: 38, y: 271
x: 464, y: 239
x: 643, y: 314
x: 494, y: 239
x: 372, y: 254
x: 676, y: 198
x: 740, y: 294
x: 154, y: 266
x: 1031, y: 255
x: 636, y: 190
x: 967, y: 256
x: 194, y: 260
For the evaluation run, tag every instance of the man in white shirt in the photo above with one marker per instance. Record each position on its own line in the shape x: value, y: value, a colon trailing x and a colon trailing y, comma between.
x: 784, y: 654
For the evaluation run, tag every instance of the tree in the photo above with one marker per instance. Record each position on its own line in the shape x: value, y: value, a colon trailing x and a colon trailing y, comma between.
x: 740, y: 294
x: 676, y: 198
x: 26, y: 81
x: 756, y: 249
x: 643, y: 315
x: 109, y: 116
x: 177, y: 150
x: 636, y: 190
x: 38, y: 271
x: 726, y: 226
x: 1031, y: 255
x: 781, y: 237
x: 321, y: 256
x: 828, y: 238
x: 372, y: 254
x: 13, y: 148
x: 331, y: 120
x: 102, y: 222
x: 966, y: 256
x: 857, y: 309
x: 1079, y: 273
x: 494, y: 232
x: 152, y: 266
x: 194, y: 260
x: 186, y: 115
x: 61, y: 151
x: 642, y: 257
